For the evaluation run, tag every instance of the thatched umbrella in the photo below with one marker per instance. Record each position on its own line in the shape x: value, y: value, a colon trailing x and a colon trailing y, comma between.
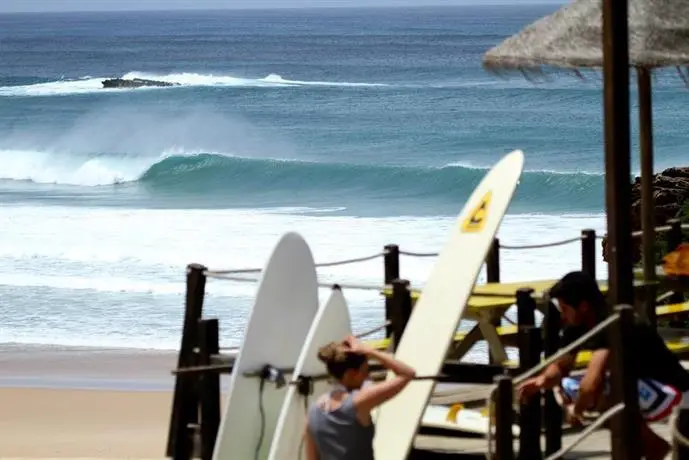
x: 572, y: 38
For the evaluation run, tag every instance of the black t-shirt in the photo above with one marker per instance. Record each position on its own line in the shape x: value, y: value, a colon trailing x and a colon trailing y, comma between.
x: 652, y: 358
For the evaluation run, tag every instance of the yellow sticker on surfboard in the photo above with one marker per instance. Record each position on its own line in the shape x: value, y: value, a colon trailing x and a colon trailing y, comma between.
x: 477, y: 219
x: 456, y: 408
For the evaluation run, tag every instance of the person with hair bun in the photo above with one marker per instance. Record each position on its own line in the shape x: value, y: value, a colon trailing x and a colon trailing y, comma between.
x: 339, y: 425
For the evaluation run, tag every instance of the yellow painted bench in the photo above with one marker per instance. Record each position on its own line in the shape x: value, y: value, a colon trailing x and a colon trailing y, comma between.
x: 584, y: 357
x: 511, y: 330
x: 676, y: 346
x: 668, y: 310
x: 382, y: 344
x: 502, y: 295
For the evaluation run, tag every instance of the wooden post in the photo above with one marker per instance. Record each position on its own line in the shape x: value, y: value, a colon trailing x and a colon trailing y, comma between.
x: 647, y: 308
x: 504, y: 416
x: 400, y: 309
x: 530, y: 346
x: 674, y: 236
x: 493, y: 262
x: 674, y: 239
x: 529, y: 355
x: 552, y: 412
x: 649, y: 300
x: 618, y: 193
x: 588, y: 252
x: 210, y: 387
x: 493, y: 276
x: 391, y: 261
x: 185, y: 399
x: 680, y: 449
x: 623, y: 384
x: 526, y: 308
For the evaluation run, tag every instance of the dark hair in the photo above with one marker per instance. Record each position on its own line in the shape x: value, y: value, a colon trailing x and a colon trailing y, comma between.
x: 338, y: 360
x: 577, y: 287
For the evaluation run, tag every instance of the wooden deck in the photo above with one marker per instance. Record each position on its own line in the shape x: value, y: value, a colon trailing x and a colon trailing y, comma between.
x: 596, y: 446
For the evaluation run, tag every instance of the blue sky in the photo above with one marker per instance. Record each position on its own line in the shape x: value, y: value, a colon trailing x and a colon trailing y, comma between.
x: 119, y: 5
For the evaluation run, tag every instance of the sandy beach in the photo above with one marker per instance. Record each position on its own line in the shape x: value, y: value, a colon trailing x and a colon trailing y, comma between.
x: 84, y: 403
x: 40, y: 422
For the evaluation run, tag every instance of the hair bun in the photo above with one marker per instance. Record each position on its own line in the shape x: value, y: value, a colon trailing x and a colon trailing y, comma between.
x: 332, y: 352
x: 327, y: 353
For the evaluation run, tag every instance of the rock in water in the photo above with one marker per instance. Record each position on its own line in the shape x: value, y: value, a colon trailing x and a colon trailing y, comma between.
x: 670, y: 191
x: 670, y: 195
x: 134, y: 83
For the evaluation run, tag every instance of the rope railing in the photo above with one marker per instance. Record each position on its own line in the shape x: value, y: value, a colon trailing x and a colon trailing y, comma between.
x: 509, y: 247
x: 321, y: 284
x: 418, y: 254
x: 543, y: 245
x: 360, y: 335
x: 505, y: 246
x: 604, y: 417
x: 536, y: 369
x: 215, y: 273
x: 661, y: 229
x: 354, y: 286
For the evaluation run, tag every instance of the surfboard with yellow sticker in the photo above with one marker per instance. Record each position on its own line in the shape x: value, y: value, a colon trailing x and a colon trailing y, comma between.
x: 477, y: 219
x: 459, y: 418
x: 440, y: 307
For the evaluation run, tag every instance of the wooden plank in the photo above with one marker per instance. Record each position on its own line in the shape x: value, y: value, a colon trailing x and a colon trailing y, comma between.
x: 595, y: 447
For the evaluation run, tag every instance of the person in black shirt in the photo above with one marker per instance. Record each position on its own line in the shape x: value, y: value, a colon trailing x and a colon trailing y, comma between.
x: 582, y: 307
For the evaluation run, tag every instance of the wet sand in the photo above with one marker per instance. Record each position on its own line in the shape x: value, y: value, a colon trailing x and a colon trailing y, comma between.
x: 84, y: 403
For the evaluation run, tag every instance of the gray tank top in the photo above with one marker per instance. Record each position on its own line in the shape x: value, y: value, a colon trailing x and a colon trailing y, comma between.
x: 338, y: 434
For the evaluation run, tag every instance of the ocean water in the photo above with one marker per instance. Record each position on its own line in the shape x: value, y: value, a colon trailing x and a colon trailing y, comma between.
x: 356, y: 128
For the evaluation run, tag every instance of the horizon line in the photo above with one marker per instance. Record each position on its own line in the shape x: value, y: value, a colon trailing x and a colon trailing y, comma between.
x: 192, y: 9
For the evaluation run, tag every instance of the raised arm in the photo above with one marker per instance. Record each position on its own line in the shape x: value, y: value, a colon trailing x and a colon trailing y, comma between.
x: 374, y: 395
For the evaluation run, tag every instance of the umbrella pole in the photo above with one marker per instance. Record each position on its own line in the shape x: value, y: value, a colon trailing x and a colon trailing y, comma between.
x: 617, y: 151
x: 648, y: 226
x: 618, y: 199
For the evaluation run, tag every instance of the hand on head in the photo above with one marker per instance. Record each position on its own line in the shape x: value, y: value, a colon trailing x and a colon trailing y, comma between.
x: 353, y: 345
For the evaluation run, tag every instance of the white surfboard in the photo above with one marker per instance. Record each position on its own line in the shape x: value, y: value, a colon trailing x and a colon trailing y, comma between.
x: 466, y: 420
x: 441, y: 305
x: 285, y: 305
x: 331, y: 323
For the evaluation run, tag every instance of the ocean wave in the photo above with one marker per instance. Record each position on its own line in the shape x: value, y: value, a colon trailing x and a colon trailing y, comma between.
x: 226, y: 175
x: 89, y: 84
x: 218, y: 173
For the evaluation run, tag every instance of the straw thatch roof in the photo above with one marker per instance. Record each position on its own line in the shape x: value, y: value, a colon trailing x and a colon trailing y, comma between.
x: 572, y: 37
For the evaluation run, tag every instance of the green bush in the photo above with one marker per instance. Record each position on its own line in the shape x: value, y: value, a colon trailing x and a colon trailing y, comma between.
x: 661, y: 243
x: 684, y: 214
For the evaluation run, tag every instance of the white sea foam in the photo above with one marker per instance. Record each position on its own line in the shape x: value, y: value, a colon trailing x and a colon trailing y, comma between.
x: 126, y: 254
x: 46, y: 167
x: 186, y: 79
